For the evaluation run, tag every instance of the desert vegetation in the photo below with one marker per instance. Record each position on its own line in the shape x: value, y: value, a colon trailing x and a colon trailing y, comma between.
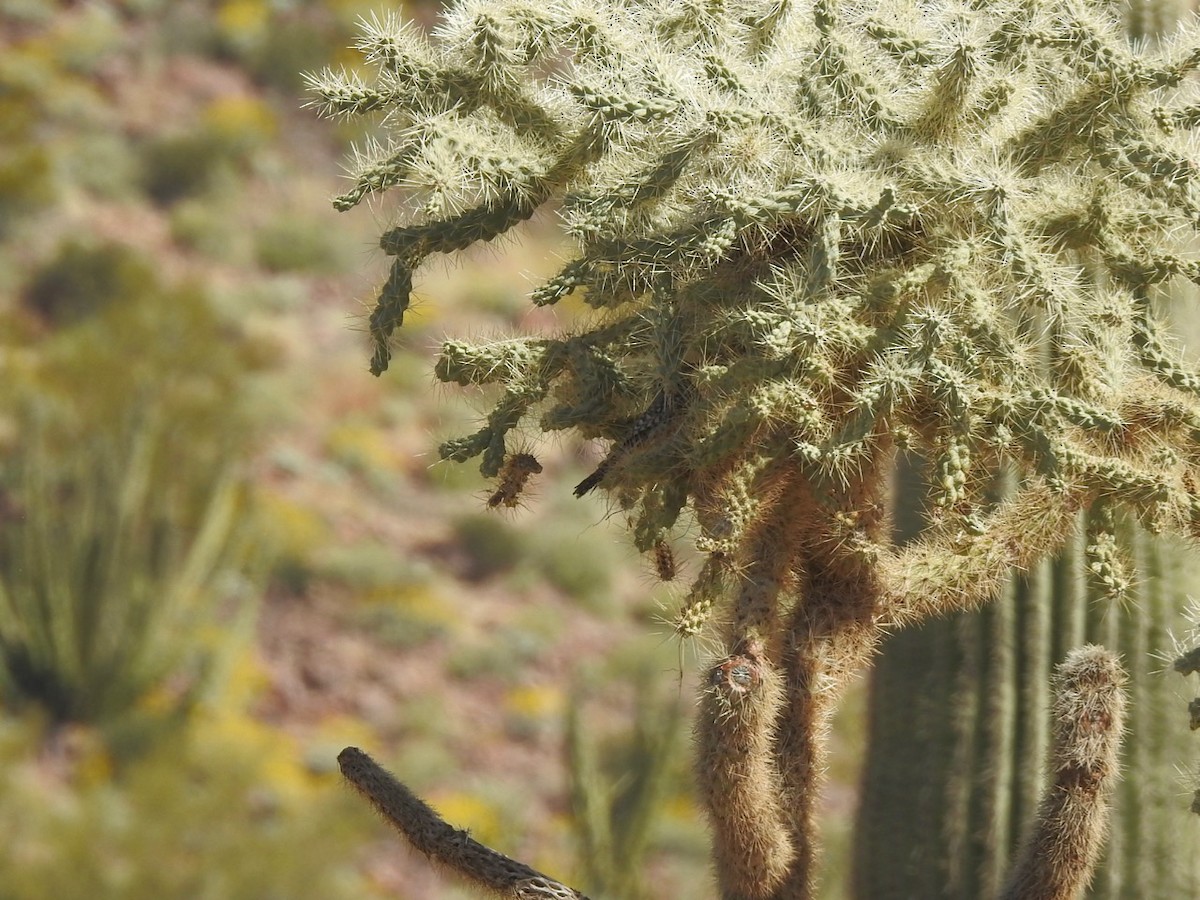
x: 818, y: 238
x: 770, y: 350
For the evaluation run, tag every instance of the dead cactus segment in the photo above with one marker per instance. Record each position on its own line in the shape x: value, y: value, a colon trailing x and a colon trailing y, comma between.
x: 443, y: 844
x: 664, y: 560
x: 515, y: 473
x: 1189, y: 662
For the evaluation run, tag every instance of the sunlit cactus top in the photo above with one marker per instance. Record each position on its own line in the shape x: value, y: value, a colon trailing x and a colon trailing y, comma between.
x: 812, y: 232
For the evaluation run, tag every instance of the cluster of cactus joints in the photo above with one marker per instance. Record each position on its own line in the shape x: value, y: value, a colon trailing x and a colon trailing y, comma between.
x: 811, y: 231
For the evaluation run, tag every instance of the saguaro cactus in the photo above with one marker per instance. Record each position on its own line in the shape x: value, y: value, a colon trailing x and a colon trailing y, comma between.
x: 967, y: 759
x: 812, y: 233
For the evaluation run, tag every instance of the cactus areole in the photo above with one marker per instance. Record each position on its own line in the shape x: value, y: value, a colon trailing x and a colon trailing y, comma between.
x: 812, y: 233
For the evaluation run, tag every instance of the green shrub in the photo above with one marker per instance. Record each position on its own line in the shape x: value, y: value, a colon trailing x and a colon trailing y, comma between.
x: 243, y: 124
x: 491, y: 545
x: 201, y: 226
x: 406, y: 617
x: 186, y: 29
x: 189, y: 163
x: 368, y: 566
x: 103, y: 164
x: 618, y: 788
x: 26, y: 182
x: 26, y: 12
x: 228, y: 814
x: 84, y: 278
x: 580, y: 566
x: 109, y: 571
x: 504, y: 654
x: 175, y: 166
x: 289, y: 244
x: 162, y: 348
x: 26, y: 167
x: 83, y: 42
x: 297, y: 533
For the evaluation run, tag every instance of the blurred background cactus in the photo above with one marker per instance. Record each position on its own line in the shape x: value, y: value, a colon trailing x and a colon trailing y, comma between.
x: 107, y: 574
x: 126, y: 530
x: 618, y: 787
x: 813, y: 234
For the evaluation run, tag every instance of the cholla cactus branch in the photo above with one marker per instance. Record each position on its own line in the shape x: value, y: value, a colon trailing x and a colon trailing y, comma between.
x: 738, y: 775
x: 442, y: 843
x: 1088, y: 711
x: 950, y: 572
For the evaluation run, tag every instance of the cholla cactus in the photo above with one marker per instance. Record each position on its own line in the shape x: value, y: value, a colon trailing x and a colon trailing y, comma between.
x: 1088, y: 715
x: 813, y: 232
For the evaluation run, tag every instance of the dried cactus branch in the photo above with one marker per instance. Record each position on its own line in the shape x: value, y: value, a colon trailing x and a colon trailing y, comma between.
x: 441, y: 842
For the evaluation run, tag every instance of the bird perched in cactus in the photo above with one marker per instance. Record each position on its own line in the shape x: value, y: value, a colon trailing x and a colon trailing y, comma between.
x: 812, y: 233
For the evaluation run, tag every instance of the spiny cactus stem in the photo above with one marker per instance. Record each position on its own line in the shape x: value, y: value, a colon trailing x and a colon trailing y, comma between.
x: 756, y: 608
x: 442, y: 843
x: 1089, y: 706
x: 801, y: 750
x: 738, y: 777
x: 831, y: 636
x: 952, y: 572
